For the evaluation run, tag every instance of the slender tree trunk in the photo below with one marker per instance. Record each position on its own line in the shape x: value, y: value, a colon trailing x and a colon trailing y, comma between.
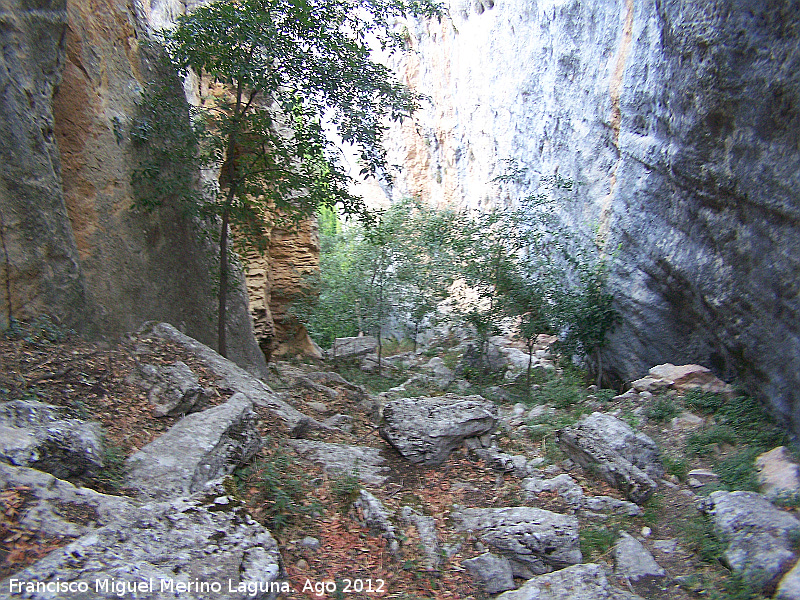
x: 222, y: 312
x: 530, y: 361
x: 222, y: 343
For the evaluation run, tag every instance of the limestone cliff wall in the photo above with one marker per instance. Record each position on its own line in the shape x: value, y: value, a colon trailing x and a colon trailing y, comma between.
x: 681, y: 121
x: 75, y: 247
x: 274, y: 279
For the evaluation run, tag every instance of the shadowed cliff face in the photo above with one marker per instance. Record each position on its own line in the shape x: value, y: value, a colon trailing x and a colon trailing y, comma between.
x: 681, y: 122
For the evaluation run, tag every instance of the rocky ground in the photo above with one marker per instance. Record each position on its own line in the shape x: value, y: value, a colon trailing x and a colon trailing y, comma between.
x: 353, y: 517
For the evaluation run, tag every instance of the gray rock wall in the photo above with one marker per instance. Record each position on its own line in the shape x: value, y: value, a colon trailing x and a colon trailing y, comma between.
x: 35, y: 236
x: 680, y: 120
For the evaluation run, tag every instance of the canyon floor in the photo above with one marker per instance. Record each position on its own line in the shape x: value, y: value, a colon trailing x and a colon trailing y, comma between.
x: 309, y: 508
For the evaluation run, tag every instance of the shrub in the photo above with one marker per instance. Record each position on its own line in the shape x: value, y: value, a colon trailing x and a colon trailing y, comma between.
x: 662, y: 410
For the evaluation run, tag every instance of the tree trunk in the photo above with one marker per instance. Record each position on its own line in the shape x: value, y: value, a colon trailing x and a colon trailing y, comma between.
x: 222, y: 344
x: 530, y: 361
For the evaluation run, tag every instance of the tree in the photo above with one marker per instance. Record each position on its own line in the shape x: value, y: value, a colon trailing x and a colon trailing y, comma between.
x: 288, y: 66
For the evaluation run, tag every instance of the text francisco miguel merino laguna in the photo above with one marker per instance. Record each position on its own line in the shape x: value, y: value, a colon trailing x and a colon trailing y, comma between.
x: 121, y: 588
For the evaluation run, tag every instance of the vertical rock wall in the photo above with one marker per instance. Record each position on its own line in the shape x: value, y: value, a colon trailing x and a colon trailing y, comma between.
x: 75, y: 247
x: 274, y: 279
x: 39, y: 265
x: 681, y: 121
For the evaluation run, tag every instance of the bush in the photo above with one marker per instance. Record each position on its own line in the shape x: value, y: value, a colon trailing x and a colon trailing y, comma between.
x: 662, y: 410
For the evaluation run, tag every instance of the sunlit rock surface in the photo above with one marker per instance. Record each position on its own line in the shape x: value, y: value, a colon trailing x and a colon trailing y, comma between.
x: 680, y: 122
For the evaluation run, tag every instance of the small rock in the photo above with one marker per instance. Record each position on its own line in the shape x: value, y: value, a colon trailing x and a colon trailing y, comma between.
x: 695, y: 483
x: 317, y: 406
x: 578, y: 582
x: 687, y: 421
x: 632, y: 560
x: 492, y: 572
x: 665, y: 546
x: 301, y: 564
x: 646, y: 531
x: 311, y: 543
x: 778, y: 474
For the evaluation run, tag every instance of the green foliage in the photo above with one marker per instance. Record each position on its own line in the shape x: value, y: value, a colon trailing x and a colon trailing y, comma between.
x: 652, y: 509
x: 39, y: 332
x: 166, y: 144
x: 286, y: 67
x: 702, y: 443
x: 112, y: 475
x: 282, y: 493
x: 737, y: 472
x: 705, y: 402
x: 703, y: 539
x: 346, y: 487
x: 395, y: 270
x: 597, y: 541
x: 562, y: 392
x: 605, y: 395
x: 662, y: 410
x: 679, y: 467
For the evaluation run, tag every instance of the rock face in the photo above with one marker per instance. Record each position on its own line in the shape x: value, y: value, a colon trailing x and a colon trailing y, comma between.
x: 680, y: 125
x: 426, y: 430
x: 203, y: 538
x: 628, y: 460
x: 72, y: 246
x: 41, y: 270
x: 274, y: 279
x: 760, y: 537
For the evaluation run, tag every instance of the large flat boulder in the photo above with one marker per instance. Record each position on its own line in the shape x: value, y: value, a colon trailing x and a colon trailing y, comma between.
x: 534, y: 540
x: 55, y: 507
x: 199, y: 448
x: 608, y: 446
x: 233, y: 376
x: 426, y: 430
x: 579, y: 582
x: 198, y: 547
x: 41, y: 436
x: 351, y: 347
x: 760, y: 537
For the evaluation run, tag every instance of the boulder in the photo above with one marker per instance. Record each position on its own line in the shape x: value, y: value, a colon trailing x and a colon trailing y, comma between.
x: 234, y: 377
x: 351, y: 347
x: 364, y: 462
x: 789, y: 587
x: 199, y: 448
x: 425, y: 430
x: 202, y: 540
x: 633, y: 561
x: 56, y: 507
x: 44, y: 437
x: 682, y: 379
x: 778, y: 474
x: 534, y: 540
x: 578, y: 582
x: 493, y: 573
x: 442, y: 376
x: 608, y: 446
x: 760, y: 537
x: 172, y: 389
